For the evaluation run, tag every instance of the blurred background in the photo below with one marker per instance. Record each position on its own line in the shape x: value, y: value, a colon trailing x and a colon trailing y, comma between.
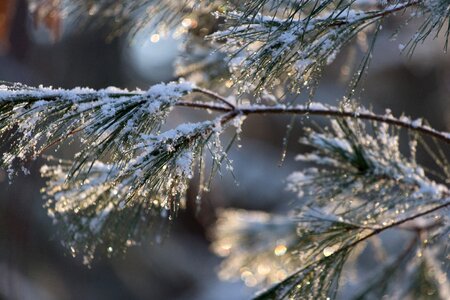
x: 34, y: 265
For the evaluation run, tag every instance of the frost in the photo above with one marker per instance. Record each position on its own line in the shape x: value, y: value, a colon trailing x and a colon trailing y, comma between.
x: 168, y: 92
x: 184, y: 164
x: 303, y: 64
x: 416, y: 123
x: 110, y: 116
x: 238, y: 122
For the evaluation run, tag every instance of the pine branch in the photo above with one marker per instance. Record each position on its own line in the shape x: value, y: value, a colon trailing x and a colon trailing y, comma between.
x: 115, y: 206
x: 92, y: 103
x: 323, y: 274
x: 394, y: 195
x: 145, y: 186
x: 108, y: 120
x: 263, y: 47
x: 360, y: 186
x: 294, y: 41
x: 129, y: 179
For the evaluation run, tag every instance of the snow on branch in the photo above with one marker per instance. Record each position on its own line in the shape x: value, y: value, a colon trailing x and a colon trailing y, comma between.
x: 107, y: 121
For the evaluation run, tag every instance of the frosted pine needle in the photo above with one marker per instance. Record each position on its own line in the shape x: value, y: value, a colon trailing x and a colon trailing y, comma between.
x: 107, y: 121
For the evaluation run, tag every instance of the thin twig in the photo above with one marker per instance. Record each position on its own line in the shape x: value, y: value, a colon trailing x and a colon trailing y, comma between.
x: 215, y: 96
x: 326, y: 112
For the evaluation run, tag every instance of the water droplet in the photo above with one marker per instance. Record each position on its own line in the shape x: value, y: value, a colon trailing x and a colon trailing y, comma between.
x: 280, y: 250
x: 73, y: 251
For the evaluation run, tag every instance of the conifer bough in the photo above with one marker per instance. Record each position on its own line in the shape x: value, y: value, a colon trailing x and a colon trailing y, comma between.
x: 130, y: 177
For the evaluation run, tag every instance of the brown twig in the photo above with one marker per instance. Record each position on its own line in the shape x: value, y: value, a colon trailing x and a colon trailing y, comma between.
x: 325, y: 112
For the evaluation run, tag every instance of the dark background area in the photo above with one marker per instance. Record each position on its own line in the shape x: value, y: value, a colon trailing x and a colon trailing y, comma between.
x: 33, y: 264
